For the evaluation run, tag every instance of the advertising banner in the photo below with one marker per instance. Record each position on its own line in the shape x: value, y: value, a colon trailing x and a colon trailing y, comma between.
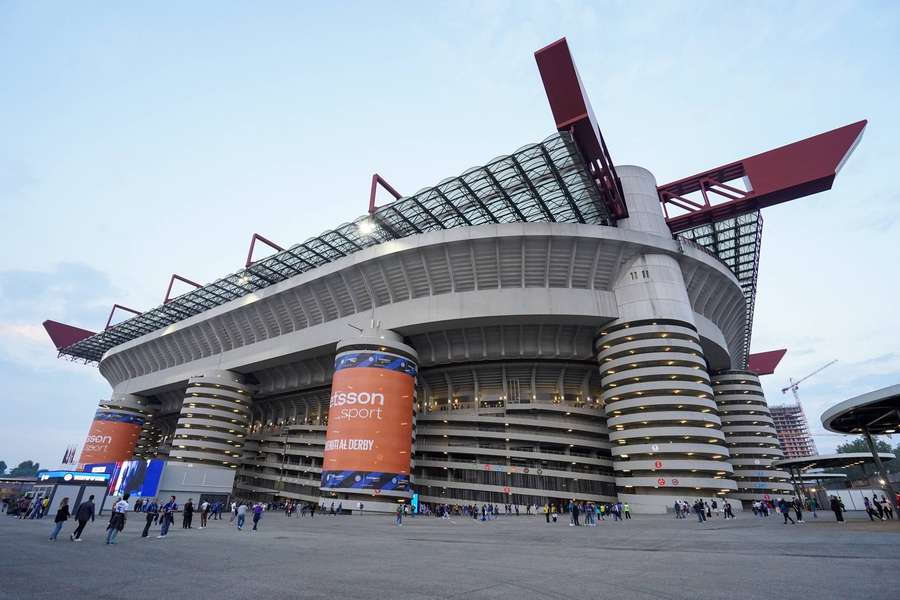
x: 140, y: 478
x: 370, y: 422
x: 112, y: 438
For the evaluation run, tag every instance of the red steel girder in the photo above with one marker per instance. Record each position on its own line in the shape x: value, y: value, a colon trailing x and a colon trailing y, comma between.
x: 256, y: 237
x: 175, y: 276
x: 120, y: 307
x: 793, y: 171
x: 572, y: 112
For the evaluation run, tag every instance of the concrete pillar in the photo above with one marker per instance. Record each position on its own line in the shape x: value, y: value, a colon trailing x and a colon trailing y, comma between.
x: 371, y: 422
x: 214, y: 419
x: 666, y: 434
x: 750, y: 436
x: 117, y: 426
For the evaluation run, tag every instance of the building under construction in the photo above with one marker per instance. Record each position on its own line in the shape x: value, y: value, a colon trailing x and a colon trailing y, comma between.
x: 793, y: 430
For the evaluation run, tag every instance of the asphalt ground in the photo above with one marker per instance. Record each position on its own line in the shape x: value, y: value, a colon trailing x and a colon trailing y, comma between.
x: 512, y: 557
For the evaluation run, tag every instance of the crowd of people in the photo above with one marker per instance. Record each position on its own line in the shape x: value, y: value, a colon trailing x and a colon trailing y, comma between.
x: 161, y: 514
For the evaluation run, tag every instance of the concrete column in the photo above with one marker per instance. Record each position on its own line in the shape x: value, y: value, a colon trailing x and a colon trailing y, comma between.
x: 666, y: 434
x: 371, y: 422
x: 117, y: 426
x: 214, y: 419
x: 750, y: 436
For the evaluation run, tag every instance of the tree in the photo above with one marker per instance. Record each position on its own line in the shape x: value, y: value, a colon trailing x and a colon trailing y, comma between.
x: 859, y: 445
x: 2, y: 468
x: 26, y: 468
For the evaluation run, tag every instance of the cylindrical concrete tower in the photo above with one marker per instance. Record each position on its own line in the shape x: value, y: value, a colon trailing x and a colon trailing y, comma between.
x: 371, y: 422
x: 665, y: 432
x: 116, y: 429
x: 213, y: 421
x: 750, y: 436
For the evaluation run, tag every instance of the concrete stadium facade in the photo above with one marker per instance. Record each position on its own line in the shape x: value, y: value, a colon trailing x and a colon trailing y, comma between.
x: 557, y: 361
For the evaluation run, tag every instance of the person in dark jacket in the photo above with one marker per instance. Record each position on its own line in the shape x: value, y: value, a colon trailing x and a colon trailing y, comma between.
x: 62, y: 515
x: 86, y: 511
x: 117, y: 519
x: 188, y: 514
x: 838, y: 507
x: 151, y: 509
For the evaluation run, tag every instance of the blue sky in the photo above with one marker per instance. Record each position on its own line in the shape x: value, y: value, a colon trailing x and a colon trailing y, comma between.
x: 142, y: 139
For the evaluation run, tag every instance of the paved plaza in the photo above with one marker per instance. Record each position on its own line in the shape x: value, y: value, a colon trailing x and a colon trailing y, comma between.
x: 512, y: 557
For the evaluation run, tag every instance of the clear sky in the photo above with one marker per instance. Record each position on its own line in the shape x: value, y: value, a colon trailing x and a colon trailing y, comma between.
x: 145, y: 138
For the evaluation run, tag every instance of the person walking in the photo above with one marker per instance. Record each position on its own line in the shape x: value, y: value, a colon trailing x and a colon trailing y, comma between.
x: 888, y: 509
x: 626, y: 508
x: 117, y: 519
x: 257, y: 515
x: 398, y: 520
x: 188, y: 515
x: 838, y: 508
x: 151, y: 513
x: 85, y: 511
x: 168, y: 517
x: 204, y: 513
x: 798, y: 509
x: 785, y: 511
x: 62, y: 515
x: 241, y: 515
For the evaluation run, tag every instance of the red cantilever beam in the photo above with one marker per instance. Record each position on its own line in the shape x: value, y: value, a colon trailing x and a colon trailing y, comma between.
x: 800, y: 169
x: 764, y: 363
x: 172, y: 281
x: 63, y: 335
x: 268, y: 243
x: 376, y: 181
x: 572, y: 112
x: 119, y: 306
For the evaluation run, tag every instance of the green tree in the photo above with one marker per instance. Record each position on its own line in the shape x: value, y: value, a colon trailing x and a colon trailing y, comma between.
x: 26, y: 468
x: 859, y: 445
x: 2, y: 468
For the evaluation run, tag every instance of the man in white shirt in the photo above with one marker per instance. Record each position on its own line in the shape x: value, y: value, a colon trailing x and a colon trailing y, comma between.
x: 117, y: 519
x: 204, y: 512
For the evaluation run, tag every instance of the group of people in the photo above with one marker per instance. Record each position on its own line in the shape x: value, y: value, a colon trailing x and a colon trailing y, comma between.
x: 703, y: 509
x: 155, y: 513
x: 878, y: 509
x: 588, y: 511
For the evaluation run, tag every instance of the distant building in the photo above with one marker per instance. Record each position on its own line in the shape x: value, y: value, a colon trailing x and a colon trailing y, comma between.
x: 793, y: 430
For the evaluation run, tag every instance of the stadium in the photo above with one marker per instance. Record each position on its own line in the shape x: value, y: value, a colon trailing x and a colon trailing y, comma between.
x: 548, y: 326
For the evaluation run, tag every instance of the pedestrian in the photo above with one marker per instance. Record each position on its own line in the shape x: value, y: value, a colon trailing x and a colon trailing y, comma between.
x: 626, y: 508
x: 151, y: 514
x: 85, y: 511
x: 188, y: 514
x: 204, y: 513
x: 331, y: 510
x: 168, y: 517
x: 312, y: 510
x: 886, y: 506
x: 241, y: 515
x: 798, y: 509
x: 233, y: 512
x: 257, y: 515
x: 117, y: 519
x: 62, y: 515
x: 785, y: 511
x: 399, y: 516
x: 838, y: 509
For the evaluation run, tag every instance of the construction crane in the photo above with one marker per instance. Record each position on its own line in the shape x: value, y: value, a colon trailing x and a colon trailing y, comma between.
x: 795, y: 385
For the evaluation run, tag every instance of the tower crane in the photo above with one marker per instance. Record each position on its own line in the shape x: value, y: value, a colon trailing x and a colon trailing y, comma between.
x: 795, y: 385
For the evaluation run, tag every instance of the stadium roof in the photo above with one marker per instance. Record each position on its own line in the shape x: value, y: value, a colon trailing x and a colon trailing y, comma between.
x: 545, y: 182
x: 569, y: 177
